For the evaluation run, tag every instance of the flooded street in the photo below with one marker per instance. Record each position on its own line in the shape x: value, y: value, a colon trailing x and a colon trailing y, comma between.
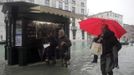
x: 80, y: 63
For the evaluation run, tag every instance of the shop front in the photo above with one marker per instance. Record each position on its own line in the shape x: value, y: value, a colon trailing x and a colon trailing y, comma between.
x: 27, y: 28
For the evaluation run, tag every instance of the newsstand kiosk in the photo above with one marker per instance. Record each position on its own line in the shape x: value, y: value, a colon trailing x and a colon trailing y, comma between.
x: 21, y: 41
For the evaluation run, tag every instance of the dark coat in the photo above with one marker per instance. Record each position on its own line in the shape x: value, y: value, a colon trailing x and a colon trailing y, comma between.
x: 108, y: 42
x: 67, y: 42
x: 53, y: 41
x: 64, y: 49
x: 50, y: 50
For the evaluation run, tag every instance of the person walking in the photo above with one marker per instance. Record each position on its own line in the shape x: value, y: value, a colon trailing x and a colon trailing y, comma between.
x: 95, y: 58
x: 108, y: 42
x: 97, y: 40
x: 109, y: 30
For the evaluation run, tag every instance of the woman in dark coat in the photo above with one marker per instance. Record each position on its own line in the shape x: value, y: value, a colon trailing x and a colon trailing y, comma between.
x: 108, y: 42
x: 63, y: 46
x: 95, y: 59
x: 51, y: 50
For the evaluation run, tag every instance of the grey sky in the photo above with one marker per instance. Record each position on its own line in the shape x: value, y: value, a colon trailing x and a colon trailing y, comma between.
x: 123, y: 7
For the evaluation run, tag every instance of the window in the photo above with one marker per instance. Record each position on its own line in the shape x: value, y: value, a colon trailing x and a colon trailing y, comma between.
x: 73, y: 9
x: 53, y: 4
x: 107, y: 14
x: 47, y: 2
x: 74, y: 34
x: 82, y: 4
x: 116, y: 16
x: 120, y: 17
x: 32, y: 1
x: 66, y: 1
x: 10, y: 0
x: 73, y: 22
x: 82, y: 11
x: 73, y: 2
x: 113, y: 15
x: 66, y: 8
x: 110, y: 14
x: 83, y: 35
x: 1, y: 37
x: 60, y: 5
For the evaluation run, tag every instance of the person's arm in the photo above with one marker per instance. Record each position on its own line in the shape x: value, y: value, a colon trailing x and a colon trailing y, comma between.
x: 94, y: 40
x: 66, y: 42
x: 117, y: 44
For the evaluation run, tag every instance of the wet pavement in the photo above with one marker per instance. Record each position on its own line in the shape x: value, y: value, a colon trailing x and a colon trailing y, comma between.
x: 2, y: 62
x: 80, y: 63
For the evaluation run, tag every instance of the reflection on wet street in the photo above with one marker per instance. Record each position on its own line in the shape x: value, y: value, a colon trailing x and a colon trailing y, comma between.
x: 79, y: 57
x: 80, y: 64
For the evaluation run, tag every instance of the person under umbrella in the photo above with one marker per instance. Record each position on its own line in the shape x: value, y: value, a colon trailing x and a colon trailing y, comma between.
x: 108, y: 31
x: 108, y: 42
x: 95, y: 58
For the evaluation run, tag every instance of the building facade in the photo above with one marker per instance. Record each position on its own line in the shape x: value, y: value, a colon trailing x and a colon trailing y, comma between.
x: 74, y: 6
x: 129, y: 36
x: 2, y: 25
x: 110, y: 15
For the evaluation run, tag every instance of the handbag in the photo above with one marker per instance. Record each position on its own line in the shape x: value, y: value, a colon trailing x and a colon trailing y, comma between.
x: 96, y: 48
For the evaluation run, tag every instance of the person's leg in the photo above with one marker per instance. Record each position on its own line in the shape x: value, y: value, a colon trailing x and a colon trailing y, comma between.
x: 103, y: 65
x: 54, y: 55
x: 115, y: 57
x: 110, y: 73
x: 50, y: 53
x: 95, y: 59
x: 116, y: 63
x: 109, y: 64
x: 47, y: 55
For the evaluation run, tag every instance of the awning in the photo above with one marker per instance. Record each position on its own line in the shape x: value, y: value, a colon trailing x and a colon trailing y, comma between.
x: 45, y: 9
x: 34, y: 8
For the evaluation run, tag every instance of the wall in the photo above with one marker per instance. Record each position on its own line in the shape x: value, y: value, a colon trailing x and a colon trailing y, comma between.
x: 2, y: 26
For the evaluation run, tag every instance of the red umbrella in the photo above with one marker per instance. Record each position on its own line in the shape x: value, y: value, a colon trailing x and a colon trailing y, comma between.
x: 94, y: 25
